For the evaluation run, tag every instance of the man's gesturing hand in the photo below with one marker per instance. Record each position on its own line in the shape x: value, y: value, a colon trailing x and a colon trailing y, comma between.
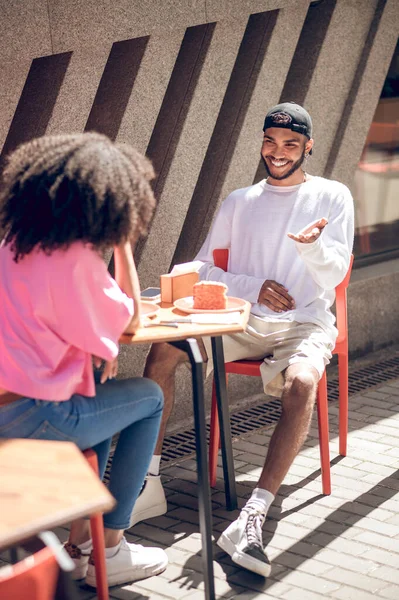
x: 275, y: 296
x: 311, y: 233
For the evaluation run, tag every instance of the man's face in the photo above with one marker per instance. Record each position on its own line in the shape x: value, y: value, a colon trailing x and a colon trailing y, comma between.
x: 283, y: 151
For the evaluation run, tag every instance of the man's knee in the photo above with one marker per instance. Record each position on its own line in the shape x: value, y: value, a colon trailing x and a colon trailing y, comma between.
x: 300, y: 387
x: 165, y: 356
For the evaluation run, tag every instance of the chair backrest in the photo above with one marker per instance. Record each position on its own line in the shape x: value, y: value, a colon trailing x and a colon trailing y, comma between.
x: 221, y: 258
x: 34, y: 578
x: 341, y: 307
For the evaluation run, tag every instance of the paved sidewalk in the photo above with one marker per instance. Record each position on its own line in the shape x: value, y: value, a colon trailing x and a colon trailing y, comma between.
x: 343, y: 546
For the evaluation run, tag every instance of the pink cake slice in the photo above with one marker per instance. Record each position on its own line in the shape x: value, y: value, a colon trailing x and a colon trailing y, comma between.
x: 210, y: 295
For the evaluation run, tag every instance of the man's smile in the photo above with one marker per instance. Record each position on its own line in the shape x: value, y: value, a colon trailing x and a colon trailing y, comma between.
x: 278, y: 162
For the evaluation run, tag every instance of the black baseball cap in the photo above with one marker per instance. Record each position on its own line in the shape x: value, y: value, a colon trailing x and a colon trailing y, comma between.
x: 289, y: 115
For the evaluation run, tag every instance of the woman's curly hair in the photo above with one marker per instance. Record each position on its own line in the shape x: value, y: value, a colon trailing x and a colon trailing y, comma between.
x: 64, y: 188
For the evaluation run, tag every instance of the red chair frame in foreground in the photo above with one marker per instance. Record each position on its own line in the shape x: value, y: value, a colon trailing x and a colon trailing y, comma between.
x: 34, y: 577
x: 97, y: 536
x: 252, y: 368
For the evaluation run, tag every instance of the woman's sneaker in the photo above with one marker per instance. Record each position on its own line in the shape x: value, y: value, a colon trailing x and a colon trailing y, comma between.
x: 131, y: 563
x: 243, y: 541
x: 151, y: 502
x: 80, y: 559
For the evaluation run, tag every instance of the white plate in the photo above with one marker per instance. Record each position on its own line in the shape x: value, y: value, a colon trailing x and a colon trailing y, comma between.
x: 148, y: 309
x: 186, y: 305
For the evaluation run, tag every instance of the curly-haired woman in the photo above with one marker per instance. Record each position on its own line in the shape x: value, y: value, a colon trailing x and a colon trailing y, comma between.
x: 65, y: 200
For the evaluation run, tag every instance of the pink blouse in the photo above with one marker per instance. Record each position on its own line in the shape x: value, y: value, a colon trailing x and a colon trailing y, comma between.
x: 55, y: 313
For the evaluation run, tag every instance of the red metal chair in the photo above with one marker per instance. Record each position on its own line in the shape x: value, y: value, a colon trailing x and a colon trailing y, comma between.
x: 34, y: 577
x: 97, y: 536
x: 252, y: 368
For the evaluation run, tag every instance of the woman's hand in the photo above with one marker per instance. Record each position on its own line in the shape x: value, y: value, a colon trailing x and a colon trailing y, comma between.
x: 110, y: 370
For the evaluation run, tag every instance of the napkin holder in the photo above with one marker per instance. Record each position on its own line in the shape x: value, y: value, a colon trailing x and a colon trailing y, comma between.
x: 177, y: 286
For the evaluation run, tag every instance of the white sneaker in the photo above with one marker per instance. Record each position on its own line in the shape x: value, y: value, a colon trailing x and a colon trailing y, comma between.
x: 131, y: 563
x: 151, y: 502
x: 242, y: 540
x: 80, y: 559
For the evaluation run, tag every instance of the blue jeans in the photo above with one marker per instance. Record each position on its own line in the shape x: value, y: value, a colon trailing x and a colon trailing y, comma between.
x: 132, y: 407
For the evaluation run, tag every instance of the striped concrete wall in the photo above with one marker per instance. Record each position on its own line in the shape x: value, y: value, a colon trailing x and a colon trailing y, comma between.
x: 188, y: 82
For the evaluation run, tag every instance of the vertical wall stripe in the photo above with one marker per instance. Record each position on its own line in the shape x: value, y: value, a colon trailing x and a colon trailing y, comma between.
x: 226, y: 131
x: 307, y: 52
x: 116, y: 86
x: 37, y: 100
x: 305, y: 58
x: 172, y: 115
x: 357, y: 79
x: 177, y: 100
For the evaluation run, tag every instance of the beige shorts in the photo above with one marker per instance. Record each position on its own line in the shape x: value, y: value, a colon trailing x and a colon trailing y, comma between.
x: 279, y: 344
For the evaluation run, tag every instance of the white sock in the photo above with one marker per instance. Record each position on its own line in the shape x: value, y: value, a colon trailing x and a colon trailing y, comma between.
x: 86, y: 547
x: 155, y: 463
x: 261, y: 498
x: 110, y: 552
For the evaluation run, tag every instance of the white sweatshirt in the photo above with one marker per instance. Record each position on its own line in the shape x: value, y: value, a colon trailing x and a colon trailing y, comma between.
x: 253, y: 223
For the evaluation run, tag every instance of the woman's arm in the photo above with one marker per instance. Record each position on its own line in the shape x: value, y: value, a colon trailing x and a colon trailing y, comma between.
x: 127, y: 279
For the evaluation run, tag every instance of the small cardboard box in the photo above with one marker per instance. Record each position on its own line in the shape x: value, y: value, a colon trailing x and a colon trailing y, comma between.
x: 174, y: 287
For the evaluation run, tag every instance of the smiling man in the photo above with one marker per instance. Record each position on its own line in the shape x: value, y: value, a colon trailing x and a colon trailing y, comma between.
x: 290, y: 238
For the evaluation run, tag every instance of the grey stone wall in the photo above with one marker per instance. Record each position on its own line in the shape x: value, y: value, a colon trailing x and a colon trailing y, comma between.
x: 188, y: 82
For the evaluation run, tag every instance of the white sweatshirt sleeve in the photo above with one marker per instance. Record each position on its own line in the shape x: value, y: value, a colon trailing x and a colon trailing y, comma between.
x: 219, y: 236
x: 328, y: 258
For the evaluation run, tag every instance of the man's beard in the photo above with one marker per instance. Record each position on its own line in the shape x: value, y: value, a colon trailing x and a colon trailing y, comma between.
x: 296, y: 165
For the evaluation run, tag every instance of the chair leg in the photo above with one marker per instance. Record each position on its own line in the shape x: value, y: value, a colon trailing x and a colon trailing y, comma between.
x: 343, y: 402
x: 322, y: 414
x: 214, y: 439
x: 97, y: 536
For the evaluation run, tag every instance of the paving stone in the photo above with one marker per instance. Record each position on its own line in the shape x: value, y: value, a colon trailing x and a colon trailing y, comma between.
x: 390, y: 592
x: 124, y: 593
x: 294, y: 561
x: 386, y: 573
x: 336, y: 543
x: 357, y: 580
x: 306, y: 581
x: 162, y: 522
x: 298, y: 594
x: 249, y: 595
x: 383, y: 556
x: 352, y: 563
x: 350, y: 593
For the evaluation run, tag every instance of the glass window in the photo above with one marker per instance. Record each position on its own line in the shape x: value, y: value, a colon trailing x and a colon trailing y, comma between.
x: 376, y: 186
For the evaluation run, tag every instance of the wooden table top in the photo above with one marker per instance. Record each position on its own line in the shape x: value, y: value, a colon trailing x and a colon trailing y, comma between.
x: 44, y: 484
x: 167, y: 312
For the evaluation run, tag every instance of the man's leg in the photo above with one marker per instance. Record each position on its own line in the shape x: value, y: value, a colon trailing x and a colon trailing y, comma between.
x: 243, y: 538
x: 297, y: 402
x: 162, y: 362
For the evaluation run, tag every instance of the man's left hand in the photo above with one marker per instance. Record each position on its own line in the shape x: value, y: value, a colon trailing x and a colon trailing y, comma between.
x: 311, y: 233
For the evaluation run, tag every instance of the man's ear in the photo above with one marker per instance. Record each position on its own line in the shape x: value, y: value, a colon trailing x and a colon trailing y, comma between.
x: 309, y: 146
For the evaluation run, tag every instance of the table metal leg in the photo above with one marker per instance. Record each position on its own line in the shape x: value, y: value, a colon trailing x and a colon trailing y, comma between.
x: 224, y: 420
x: 190, y: 346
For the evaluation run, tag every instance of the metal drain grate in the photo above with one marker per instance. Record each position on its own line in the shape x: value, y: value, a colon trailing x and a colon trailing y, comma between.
x: 181, y: 445
x: 367, y: 377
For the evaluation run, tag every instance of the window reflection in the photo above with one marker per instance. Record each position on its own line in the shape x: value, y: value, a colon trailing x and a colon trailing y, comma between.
x: 376, y: 186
